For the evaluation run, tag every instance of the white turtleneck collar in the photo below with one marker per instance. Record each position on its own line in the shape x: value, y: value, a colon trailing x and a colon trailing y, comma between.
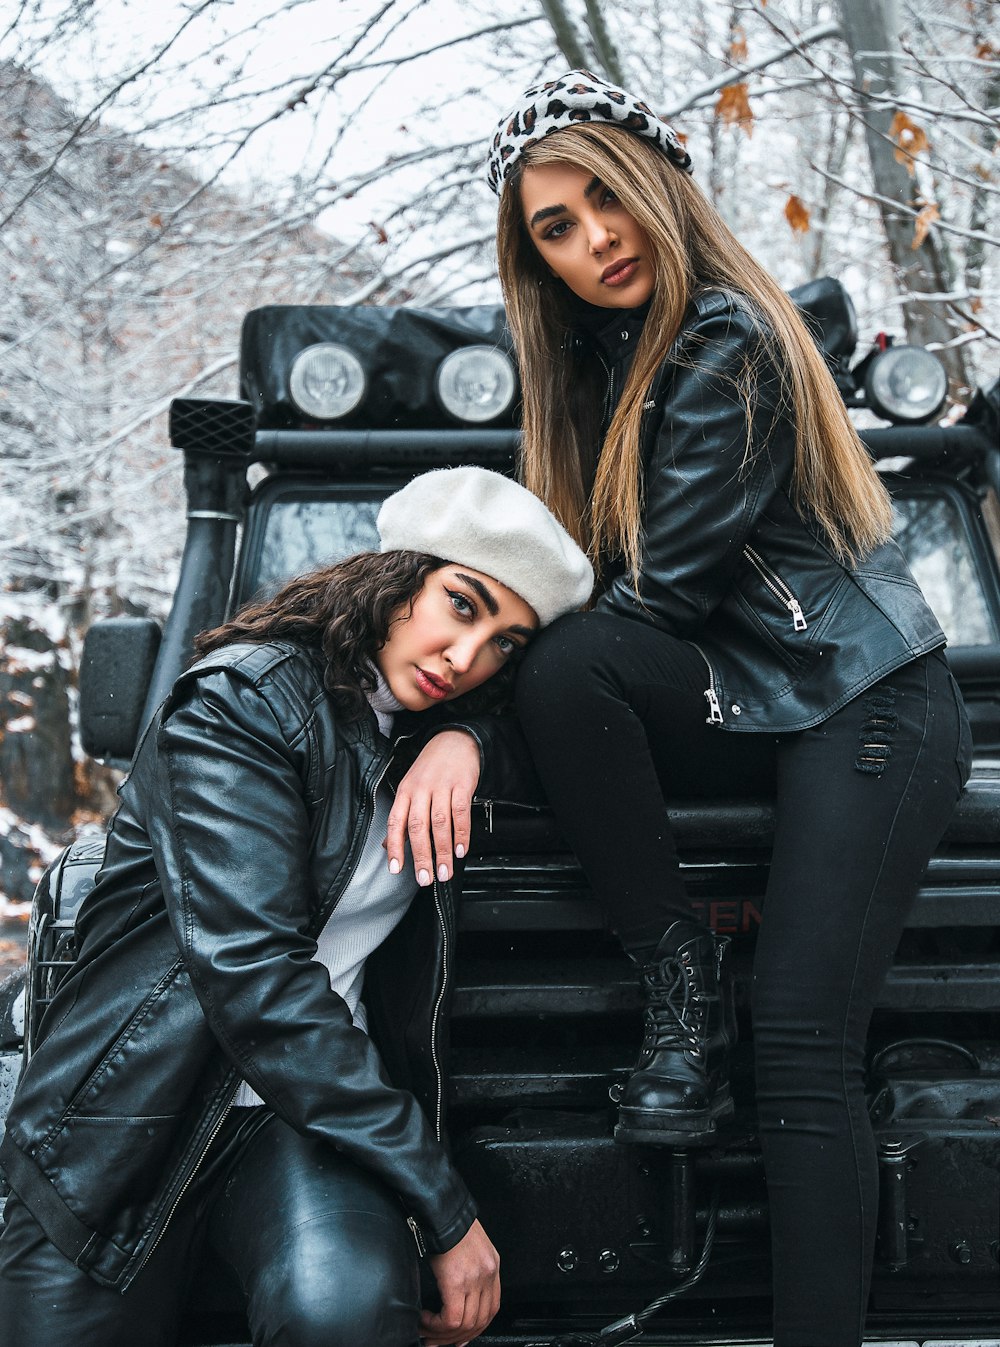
x: 383, y: 703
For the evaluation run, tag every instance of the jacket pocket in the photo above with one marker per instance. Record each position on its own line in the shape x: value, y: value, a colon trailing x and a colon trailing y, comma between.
x: 777, y: 588
x: 133, y: 1154
x: 154, y: 1060
x: 764, y: 600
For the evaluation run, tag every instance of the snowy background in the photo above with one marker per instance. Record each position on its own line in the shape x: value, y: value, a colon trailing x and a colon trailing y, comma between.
x: 164, y: 169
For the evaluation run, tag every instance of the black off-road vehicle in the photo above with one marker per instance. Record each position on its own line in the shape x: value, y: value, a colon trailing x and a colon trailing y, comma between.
x: 339, y: 407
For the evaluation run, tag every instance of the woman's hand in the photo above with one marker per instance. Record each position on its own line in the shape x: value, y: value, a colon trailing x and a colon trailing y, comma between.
x: 434, y: 806
x: 468, y: 1277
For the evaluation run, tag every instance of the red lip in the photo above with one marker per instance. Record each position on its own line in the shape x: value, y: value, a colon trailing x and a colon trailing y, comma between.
x: 616, y: 273
x: 432, y: 685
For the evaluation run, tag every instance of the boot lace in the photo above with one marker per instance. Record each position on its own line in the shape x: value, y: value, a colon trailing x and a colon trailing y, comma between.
x: 675, y: 1011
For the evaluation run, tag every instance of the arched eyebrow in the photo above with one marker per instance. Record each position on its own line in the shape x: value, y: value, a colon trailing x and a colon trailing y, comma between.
x: 490, y: 603
x: 547, y: 212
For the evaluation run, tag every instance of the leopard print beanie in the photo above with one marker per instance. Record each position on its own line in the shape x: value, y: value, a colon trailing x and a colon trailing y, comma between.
x: 578, y: 96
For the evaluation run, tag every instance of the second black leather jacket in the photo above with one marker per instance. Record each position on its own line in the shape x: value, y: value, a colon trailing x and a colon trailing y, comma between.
x: 788, y: 632
x: 239, y: 827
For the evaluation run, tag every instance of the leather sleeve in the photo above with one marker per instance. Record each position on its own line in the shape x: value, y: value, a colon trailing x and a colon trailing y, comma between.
x: 723, y: 445
x: 506, y: 768
x: 231, y: 838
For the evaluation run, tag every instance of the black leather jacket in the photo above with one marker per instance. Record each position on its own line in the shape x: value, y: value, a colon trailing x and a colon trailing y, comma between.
x: 789, y: 634
x: 239, y: 827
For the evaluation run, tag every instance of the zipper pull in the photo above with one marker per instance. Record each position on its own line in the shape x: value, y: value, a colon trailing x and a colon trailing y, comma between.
x: 488, y: 806
x: 798, y: 616
x: 417, y: 1236
x: 714, y: 709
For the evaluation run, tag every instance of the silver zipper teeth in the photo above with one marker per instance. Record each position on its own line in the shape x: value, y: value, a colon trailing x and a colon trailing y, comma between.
x: 777, y: 586
x: 370, y: 802
x: 608, y: 399
x: 417, y: 1236
x: 487, y: 807
x: 714, y: 716
x: 187, y: 1182
x: 437, y: 1011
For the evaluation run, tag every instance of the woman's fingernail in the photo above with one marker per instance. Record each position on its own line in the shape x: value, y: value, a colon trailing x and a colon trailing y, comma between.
x: 443, y: 873
x: 423, y: 878
x: 459, y: 851
x: 394, y: 866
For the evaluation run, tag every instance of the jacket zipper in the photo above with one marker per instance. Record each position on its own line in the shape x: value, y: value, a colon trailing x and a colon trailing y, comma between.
x: 187, y: 1183
x: 609, y: 401
x: 714, y: 716
x: 365, y: 829
x: 417, y: 1236
x: 439, y: 1078
x: 777, y: 586
x: 516, y: 804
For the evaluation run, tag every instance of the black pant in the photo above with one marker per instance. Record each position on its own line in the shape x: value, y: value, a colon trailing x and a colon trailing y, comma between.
x: 320, y: 1247
x: 614, y: 712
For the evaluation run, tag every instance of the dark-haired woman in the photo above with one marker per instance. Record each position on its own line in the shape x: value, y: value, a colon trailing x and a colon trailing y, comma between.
x: 208, y: 1076
x: 756, y: 630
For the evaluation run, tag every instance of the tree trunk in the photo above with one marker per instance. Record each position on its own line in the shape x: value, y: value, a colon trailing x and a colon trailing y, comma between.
x: 869, y: 28
x: 36, y: 761
x: 975, y: 254
x: 565, y: 34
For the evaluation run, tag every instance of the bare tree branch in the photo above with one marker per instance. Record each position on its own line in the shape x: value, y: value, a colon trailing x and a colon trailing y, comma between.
x: 604, y: 45
x: 736, y: 76
x: 565, y: 34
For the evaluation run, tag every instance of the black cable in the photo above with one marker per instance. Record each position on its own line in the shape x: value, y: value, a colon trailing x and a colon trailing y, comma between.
x: 630, y: 1328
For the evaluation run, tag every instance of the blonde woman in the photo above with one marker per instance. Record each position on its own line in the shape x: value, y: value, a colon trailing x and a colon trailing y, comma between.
x: 755, y: 629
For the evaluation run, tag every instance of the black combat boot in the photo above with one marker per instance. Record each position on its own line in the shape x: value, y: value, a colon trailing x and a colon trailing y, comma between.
x: 680, y: 1087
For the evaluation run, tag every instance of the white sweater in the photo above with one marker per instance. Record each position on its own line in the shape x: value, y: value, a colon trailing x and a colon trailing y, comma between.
x: 371, y: 906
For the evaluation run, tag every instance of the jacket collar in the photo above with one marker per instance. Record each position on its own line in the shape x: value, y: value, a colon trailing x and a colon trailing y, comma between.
x: 613, y: 331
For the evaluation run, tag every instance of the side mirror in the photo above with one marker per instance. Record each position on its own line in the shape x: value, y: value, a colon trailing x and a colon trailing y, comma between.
x: 119, y: 654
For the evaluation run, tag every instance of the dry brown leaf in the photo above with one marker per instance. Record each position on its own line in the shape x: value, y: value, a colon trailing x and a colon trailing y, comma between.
x: 797, y: 214
x: 81, y: 817
x: 380, y: 233
x: 986, y: 51
x: 910, y: 139
x: 738, y: 46
x: 733, y: 107
x: 156, y: 221
x: 925, y: 219
x: 976, y: 305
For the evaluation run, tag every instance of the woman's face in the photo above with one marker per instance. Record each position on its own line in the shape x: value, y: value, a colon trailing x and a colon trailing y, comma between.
x: 462, y: 628
x: 586, y: 237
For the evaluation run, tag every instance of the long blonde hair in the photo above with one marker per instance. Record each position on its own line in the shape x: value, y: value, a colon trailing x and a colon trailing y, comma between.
x: 693, y: 250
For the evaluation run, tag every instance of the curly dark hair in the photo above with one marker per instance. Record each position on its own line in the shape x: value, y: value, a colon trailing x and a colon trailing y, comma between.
x: 344, y: 612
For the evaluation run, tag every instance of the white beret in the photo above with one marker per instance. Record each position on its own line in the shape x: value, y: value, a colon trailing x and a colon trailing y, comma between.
x: 488, y: 522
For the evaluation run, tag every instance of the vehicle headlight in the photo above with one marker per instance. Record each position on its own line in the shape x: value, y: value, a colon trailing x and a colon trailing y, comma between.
x: 906, y: 383
x: 326, y: 381
x: 476, y: 384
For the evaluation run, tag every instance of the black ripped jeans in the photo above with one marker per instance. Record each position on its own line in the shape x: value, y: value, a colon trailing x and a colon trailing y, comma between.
x: 614, y: 712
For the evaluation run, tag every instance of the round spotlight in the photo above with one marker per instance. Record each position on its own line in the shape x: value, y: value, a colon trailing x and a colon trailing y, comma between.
x: 476, y: 384
x: 906, y: 383
x: 326, y: 381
